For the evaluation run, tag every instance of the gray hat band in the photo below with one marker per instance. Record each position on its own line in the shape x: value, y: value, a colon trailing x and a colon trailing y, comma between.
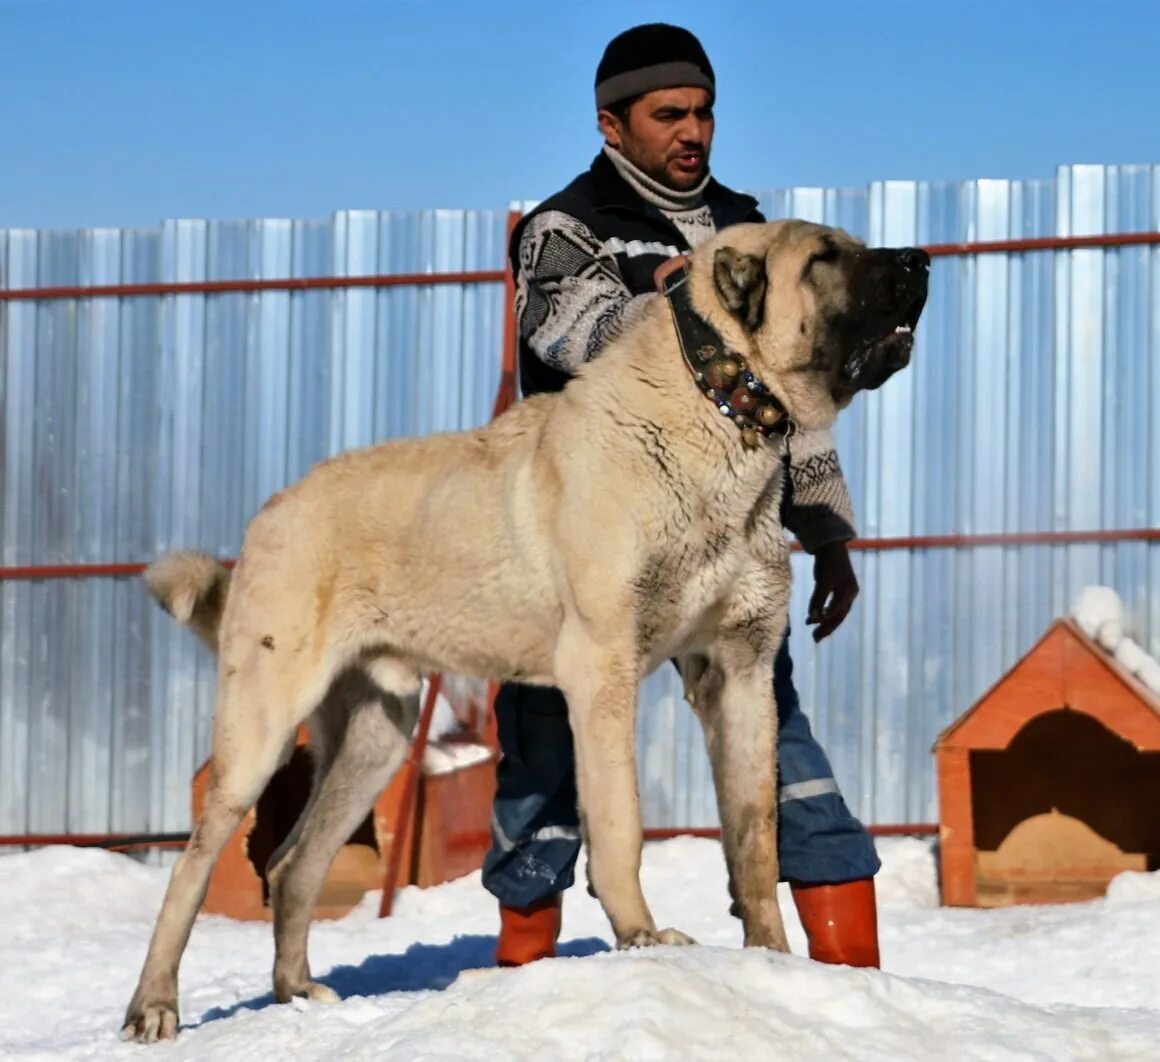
x: 650, y: 78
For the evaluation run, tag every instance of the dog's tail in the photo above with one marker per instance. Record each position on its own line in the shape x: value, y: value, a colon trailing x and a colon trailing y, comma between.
x: 192, y: 588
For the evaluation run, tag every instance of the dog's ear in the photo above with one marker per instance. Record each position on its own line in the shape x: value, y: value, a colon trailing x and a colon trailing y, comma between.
x: 740, y: 280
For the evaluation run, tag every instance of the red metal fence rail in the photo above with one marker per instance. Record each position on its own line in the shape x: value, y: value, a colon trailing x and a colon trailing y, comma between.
x: 220, y: 287
x: 866, y: 545
x: 497, y: 276
x: 125, y: 842
x: 1030, y: 244
x: 111, y: 842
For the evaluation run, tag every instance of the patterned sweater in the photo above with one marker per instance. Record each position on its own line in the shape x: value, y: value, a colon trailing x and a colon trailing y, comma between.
x: 571, y: 300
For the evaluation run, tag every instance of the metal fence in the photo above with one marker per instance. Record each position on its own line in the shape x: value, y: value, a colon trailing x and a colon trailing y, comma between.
x: 135, y: 424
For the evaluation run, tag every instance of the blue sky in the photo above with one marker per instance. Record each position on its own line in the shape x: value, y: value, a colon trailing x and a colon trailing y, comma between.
x: 124, y: 112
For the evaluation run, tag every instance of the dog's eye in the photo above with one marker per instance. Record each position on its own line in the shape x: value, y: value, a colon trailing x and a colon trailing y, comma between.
x: 827, y: 252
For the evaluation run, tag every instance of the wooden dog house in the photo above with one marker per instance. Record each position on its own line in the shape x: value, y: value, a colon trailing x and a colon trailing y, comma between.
x: 446, y: 837
x: 1050, y: 784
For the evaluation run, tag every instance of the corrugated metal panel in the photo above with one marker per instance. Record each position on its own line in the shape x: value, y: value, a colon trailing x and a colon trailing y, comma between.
x: 135, y: 426
x: 140, y: 425
x: 18, y: 331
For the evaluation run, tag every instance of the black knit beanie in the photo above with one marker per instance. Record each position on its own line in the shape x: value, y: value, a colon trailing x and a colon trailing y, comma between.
x: 650, y: 57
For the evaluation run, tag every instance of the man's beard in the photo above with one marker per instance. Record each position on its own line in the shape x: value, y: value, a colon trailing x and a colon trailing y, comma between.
x: 664, y: 174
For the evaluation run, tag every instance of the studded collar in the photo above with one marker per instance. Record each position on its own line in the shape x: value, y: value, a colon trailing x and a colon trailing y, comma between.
x: 720, y: 372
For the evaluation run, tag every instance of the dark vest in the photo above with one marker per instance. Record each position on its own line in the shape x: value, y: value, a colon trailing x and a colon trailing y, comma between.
x: 608, y: 205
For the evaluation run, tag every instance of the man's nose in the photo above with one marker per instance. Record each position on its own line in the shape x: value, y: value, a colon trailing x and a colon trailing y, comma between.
x: 693, y: 130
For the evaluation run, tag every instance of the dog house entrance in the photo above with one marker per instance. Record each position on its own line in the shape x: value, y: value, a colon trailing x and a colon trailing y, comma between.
x: 355, y: 869
x: 1064, y: 808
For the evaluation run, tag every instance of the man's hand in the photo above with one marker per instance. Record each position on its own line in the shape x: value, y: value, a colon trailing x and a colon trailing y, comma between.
x: 835, y: 587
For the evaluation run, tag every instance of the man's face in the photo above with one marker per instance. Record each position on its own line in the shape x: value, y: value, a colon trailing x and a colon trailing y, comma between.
x: 667, y: 134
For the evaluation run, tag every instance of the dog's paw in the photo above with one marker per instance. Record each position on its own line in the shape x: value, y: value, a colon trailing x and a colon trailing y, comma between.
x: 774, y: 940
x: 146, y: 1023
x: 310, y: 990
x: 647, y: 938
x: 320, y: 993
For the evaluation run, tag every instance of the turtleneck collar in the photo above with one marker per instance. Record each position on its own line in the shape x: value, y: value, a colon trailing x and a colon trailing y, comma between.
x: 653, y: 191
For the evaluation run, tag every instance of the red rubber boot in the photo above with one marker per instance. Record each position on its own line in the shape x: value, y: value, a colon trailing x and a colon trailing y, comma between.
x: 528, y: 933
x: 841, y: 922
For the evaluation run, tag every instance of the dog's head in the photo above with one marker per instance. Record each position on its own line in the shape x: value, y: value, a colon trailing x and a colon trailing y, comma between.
x: 818, y: 314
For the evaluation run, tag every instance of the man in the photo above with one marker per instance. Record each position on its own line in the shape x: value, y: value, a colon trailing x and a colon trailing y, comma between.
x: 584, y: 263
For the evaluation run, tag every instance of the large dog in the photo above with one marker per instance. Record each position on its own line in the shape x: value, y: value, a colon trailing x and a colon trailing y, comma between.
x: 579, y: 540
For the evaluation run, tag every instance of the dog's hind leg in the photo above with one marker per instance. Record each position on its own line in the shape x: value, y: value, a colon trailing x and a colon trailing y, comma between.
x: 252, y: 731
x: 370, y: 730
x: 326, y: 728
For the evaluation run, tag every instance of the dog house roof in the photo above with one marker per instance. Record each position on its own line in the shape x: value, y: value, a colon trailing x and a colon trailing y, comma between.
x: 1065, y: 669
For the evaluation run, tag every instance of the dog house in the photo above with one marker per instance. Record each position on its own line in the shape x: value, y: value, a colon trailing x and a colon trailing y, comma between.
x: 1049, y: 785
x: 446, y: 837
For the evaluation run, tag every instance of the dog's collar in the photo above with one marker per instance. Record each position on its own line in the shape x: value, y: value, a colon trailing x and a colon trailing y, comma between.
x: 719, y: 371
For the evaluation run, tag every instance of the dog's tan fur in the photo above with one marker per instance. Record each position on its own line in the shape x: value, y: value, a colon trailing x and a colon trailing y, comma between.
x: 579, y: 540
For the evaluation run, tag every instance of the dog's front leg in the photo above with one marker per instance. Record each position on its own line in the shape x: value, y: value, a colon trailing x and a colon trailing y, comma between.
x: 734, y: 700
x: 601, y: 689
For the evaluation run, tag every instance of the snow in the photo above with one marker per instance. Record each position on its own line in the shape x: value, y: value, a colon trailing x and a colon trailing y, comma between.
x: 1077, y: 981
x: 453, y: 756
x: 1100, y: 614
x: 447, y: 750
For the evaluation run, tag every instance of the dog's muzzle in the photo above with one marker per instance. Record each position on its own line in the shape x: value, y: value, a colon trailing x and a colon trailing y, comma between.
x: 893, y: 289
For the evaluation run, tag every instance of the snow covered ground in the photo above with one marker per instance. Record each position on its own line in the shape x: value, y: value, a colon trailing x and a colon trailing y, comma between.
x: 1071, y: 982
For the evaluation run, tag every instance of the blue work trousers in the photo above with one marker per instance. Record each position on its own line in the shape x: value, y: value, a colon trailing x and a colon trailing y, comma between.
x: 535, y: 825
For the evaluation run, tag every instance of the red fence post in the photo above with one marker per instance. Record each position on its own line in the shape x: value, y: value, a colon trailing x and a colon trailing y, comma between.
x: 413, y: 765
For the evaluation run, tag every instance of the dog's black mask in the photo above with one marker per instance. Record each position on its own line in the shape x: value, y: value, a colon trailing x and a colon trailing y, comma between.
x: 888, y: 288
